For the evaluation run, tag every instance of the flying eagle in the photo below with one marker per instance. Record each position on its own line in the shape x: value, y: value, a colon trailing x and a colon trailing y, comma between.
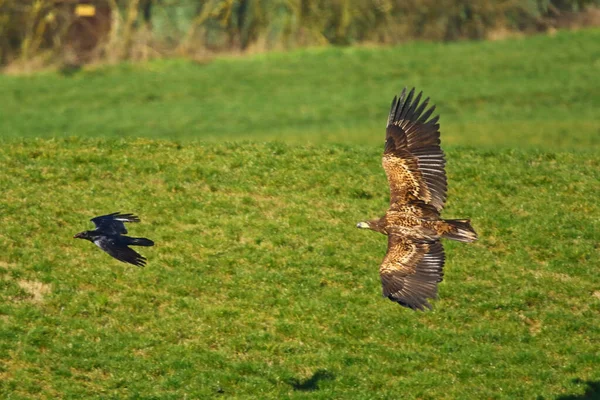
x: 414, y: 164
x: 108, y: 236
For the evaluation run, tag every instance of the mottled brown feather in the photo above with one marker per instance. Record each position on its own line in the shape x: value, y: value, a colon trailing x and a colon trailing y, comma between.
x: 415, y: 167
x: 411, y: 271
x: 413, y: 160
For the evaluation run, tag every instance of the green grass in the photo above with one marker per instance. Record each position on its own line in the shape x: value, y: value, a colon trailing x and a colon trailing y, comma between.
x: 260, y: 286
x: 259, y: 278
x: 536, y: 91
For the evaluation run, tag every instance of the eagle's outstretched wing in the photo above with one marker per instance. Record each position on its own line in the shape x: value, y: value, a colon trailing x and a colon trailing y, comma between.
x: 411, y: 271
x: 112, y: 224
x: 120, y: 251
x: 413, y: 160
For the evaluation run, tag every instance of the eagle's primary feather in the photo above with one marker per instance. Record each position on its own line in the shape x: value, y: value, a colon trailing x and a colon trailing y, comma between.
x: 413, y: 160
x: 414, y: 165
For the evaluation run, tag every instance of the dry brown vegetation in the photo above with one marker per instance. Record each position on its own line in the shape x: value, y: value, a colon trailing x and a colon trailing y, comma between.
x: 35, y: 290
x: 72, y: 32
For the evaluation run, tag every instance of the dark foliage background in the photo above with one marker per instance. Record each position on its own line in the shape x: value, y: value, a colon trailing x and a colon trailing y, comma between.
x: 51, y: 30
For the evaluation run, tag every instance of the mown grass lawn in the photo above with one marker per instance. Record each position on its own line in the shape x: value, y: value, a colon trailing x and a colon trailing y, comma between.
x: 261, y: 286
x: 536, y: 91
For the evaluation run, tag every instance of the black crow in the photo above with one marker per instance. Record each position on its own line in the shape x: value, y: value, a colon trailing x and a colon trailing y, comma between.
x: 108, y: 236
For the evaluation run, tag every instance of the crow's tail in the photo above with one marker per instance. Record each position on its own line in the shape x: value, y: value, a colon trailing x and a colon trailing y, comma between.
x: 140, y: 242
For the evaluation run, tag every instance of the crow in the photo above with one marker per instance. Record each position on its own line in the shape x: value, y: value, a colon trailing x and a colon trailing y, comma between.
x: 108, y: 236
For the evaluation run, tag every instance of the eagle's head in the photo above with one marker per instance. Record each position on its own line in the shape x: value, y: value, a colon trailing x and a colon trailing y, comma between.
x: 373, y: 224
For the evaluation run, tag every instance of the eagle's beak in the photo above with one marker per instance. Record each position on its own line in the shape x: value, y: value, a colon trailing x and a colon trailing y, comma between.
x: 362, y: 225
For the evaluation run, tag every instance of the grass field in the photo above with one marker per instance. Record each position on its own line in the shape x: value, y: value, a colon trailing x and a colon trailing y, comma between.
x: 540, y: 91
x: 260, y: 286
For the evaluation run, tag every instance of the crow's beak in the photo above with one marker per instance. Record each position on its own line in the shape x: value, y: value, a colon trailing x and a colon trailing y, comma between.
x: 77, y: 236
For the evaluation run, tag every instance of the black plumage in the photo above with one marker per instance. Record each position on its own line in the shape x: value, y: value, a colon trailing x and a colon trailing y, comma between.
x: 109, y: 236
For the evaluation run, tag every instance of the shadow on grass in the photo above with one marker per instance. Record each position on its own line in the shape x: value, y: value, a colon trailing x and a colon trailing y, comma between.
x: 312, y: 383
x: 592, y: 392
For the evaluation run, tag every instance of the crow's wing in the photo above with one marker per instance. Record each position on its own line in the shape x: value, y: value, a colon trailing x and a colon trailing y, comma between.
x: 413, y: 160
x: 113, y: 224
x: 411, y: 271
x: 120, y: 251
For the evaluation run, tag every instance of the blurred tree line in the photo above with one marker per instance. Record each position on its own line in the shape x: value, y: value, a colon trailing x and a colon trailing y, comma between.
x: 79, y: 31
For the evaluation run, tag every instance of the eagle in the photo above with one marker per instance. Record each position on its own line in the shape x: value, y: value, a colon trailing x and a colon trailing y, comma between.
x: 414, y: 165
x: 108, y: 235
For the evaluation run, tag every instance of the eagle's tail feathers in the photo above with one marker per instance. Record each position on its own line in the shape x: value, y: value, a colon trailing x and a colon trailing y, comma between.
x: 460, y: 229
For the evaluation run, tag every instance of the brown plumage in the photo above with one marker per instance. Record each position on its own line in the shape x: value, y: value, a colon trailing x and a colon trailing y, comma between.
x: 414, y: 164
